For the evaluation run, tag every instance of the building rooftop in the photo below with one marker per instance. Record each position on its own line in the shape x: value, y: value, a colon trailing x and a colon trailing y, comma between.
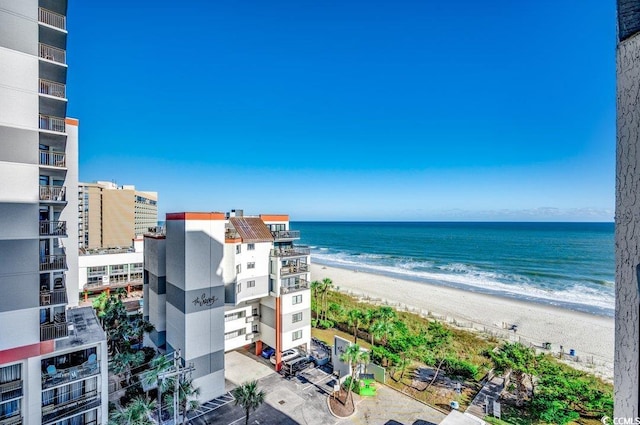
x: 251, y: 229
x: 84, y: 328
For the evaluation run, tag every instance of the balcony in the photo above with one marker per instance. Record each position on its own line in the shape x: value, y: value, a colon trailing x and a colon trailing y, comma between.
x: 53, y: 228
x: 57, y: 296
x: 53, y: 159
x: 52, y: 19
x: 294, y: 269
x: 87, y: 401
x: 286, y: 235
x: 252, y: 336
x: 49, y: 331
x: 231, y: 235
x: 10, y: 390
x: 300, y: 285
x: 252, y: 318
x: 12, y: 418
x: 53, y: 193
x: 53, y: 262
x: 51, y: 88
x: 50, y: 123
x: 62, y: 376
x: 53, y: 54
x: 296, y: 251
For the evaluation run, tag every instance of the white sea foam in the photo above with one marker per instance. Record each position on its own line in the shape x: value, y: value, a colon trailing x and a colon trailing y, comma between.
x: 466, y: 276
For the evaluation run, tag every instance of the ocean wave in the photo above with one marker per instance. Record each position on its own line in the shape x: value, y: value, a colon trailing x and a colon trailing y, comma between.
x: 468, y: 277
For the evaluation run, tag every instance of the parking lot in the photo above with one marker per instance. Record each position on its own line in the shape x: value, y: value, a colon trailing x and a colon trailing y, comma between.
x: 303, y: 399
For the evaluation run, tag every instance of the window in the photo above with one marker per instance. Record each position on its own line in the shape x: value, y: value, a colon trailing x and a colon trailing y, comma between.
x: 238, y: 268
x: 239, y: 287
x: 238, y: 249
x: 296, y: 317
x: 234, y: 334
x: 251, y: 246
x: 233, y: 316
x: 296, y: 299
x: 251, y: 265
x: 296, y: 335
x: 251, y: 284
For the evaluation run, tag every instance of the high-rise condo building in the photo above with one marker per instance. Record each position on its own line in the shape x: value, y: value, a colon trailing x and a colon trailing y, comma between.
x: 52, y: 359
x: 627, y: 220
x: 111, y: 216
x: 216, y: 282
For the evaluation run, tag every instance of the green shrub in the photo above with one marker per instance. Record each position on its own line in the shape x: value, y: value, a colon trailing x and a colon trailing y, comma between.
x: 461, y: 368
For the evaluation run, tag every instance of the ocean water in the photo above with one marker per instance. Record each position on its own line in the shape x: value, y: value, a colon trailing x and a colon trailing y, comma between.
x: 569, y: 265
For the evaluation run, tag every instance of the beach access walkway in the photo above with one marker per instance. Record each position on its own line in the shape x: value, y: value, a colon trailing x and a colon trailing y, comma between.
x: 482, y: 404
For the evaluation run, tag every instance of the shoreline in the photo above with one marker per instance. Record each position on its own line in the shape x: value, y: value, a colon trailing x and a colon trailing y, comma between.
x: 590, y: 335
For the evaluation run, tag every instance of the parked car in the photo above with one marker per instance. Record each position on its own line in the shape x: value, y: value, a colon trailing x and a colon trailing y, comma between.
x: 289, y: 354
x: 292, y: 367
x: 268, y: 352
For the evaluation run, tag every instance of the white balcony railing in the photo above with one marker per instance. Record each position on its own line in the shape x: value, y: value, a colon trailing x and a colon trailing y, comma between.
x: 52, y: 88
x: 53, y: 53
x: 53, y: 228
x: 50, y: 123
x: 52, y: 18
x: 53, y: 193
x: 53, y: 159
x: 53, y: 262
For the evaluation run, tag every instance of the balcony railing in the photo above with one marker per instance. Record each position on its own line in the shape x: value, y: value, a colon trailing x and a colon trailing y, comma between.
x: 291, y: 252
x: 53, y: 159
x: 53, y: 193
x: 53, y: 228
x: 50, y: 331
x: 53, y: 53
x: 52, y: 18
x: 231, y: 234
x: 251, y: 336
x: 10, y: 390
x: 12, y: 418
x: 286, y: 234
x: 87, y: 401
x: 53, y: 262
x: 52, y: 88
x: 300, y: 285
x: 62, y: 376
x: 50, y: 123
x: 288, y: 270
x: 57, y: 296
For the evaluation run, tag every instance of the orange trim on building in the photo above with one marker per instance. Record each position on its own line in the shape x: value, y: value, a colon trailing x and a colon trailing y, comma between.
x: 274, y: 217
x: 26, y: 351
x: 71, y: 121
x: 278, y: 335
x: 233, y: 240
x: 196, y: 216
x: 258, y: 348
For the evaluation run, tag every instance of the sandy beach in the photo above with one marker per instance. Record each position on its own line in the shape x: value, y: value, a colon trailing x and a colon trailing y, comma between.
x: 591, y: 336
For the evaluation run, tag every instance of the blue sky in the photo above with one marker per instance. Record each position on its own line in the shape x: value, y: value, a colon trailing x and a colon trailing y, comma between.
x: 351, y: 110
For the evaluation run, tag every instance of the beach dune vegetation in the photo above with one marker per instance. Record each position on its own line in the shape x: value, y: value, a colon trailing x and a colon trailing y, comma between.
x: 425, y: 358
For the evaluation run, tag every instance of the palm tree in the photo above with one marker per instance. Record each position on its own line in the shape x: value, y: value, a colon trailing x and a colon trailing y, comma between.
x: 137, y: 412
x: 187, y: 398
x: 160, y: 364
x: 386, y: 314
x: 124, y: 362
x: 315, y: 287
x: 327, y: 284
x: 248, y: 396
x: 368, y: 317
x: 354, y: 317
x: 352, y: 355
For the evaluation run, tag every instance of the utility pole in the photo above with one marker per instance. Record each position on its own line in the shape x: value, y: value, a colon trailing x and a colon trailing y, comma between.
x: 178, y: 373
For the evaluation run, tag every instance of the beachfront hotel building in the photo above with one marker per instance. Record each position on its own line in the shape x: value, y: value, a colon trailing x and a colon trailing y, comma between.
x: 52, y: 358
x: 627, y: 221
x: 216, y: 282
x: 111, y: 216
